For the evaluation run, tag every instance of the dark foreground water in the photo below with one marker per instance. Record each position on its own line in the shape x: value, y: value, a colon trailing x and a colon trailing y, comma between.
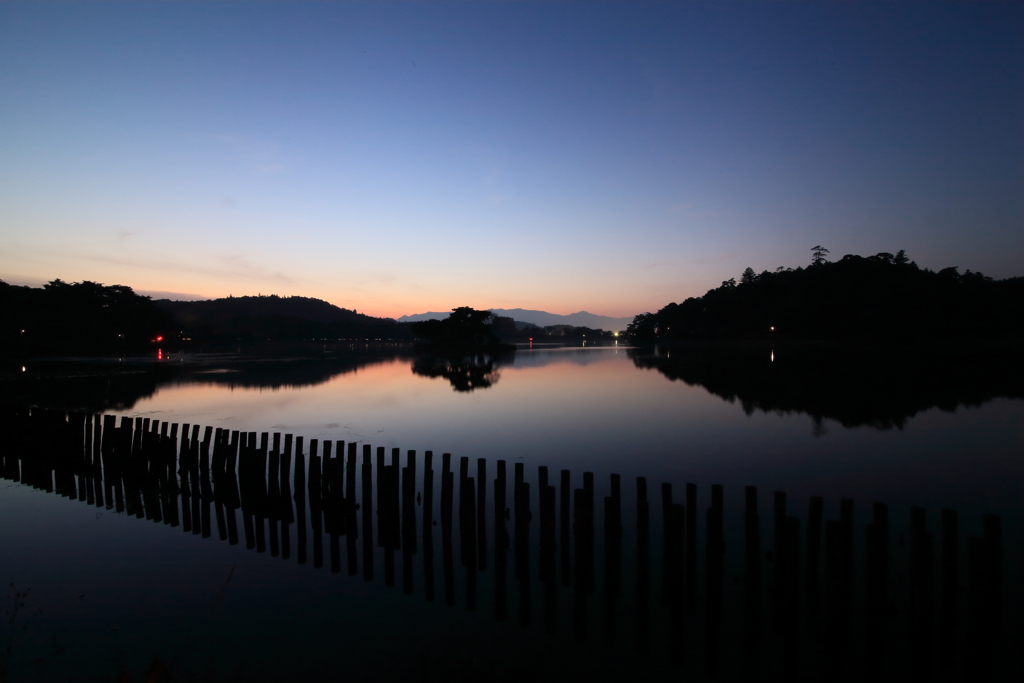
x: 135, y: 554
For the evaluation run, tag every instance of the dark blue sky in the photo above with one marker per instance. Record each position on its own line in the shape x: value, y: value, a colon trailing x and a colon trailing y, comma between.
x: 397, y: 158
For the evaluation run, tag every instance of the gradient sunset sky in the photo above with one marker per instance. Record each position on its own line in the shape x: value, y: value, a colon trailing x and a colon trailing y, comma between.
x: 398, y: 158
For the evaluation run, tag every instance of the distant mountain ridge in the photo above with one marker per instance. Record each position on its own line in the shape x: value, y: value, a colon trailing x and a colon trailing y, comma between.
x: 541, y: 318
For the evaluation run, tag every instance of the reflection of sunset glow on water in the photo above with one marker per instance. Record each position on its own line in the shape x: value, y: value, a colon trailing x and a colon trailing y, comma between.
x: 596, y: 409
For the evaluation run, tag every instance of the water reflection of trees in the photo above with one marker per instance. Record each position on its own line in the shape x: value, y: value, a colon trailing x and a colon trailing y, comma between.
x: 873, y: 386
x: 465, y: 370
x: 99, y: 385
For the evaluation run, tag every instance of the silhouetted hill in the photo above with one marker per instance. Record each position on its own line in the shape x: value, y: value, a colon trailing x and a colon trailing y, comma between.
x: 78, y: 318
x: 275, y: 318
x: 538, y: 318
x: 878, y: 296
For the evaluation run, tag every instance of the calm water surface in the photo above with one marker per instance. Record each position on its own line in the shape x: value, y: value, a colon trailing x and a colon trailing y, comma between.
x: 109, y: 593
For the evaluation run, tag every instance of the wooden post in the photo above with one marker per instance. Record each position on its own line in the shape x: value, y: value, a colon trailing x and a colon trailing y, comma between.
x: 921, y: 595
x: 643, y: 567
x: 715, y: 564
x: 668, y: 536
x: 691, y: 548
x: 367, y: 509
x: 428, y: 526
x: 950, y: 571
x: 779, y: 557
x: 814, y: 525
x: 566, y: 524
x: 751, y: 585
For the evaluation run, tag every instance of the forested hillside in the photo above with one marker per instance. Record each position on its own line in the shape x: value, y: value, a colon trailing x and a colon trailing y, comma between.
x: 884, y: 295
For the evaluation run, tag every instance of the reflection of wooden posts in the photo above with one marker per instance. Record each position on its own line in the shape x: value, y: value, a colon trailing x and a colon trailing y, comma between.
x: 523, y: 517
x: 612, y: 557
x: 481, y: 513
x: 668, y: 536
x: 300, y: 501
x: 389, y: 517
x: 467, y: 525
x: 447, y: 484
x: 715, y: 564
x: 565, y: 496
x: 464, y: 544
x: 643, y: 567
x: 194, y: 484
x: 88, y: 470
x: 232, y: 497
x: 500, y: 545
x: 218, y: 475
x: 832, y: 629
x: 950, y: 571
x: 428, y: 525
x: 751, y: 585
x: 846, y: 567
x: 791, y: 595
x: 244, y: 464
x: 258, y: 483
x: 367, y: 509
x: 548, y: 574
x: 97, y: 460
x: 876, y: 570
x: 779, y: 557
x: 675, y: 589
x: 984, y: 577
x: 813, y: 583
x: 921, y: 595
x: 691, y: 548
x: 205, y: 492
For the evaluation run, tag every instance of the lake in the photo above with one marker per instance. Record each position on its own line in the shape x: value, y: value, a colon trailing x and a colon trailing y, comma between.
x: 111, y: 593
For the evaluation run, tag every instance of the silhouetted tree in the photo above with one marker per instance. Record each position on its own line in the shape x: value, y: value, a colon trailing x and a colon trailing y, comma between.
x: 465, y: 327
x: 818, y: 254
x: 748, y: 277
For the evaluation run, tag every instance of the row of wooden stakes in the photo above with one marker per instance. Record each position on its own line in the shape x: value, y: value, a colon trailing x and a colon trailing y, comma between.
x: 144, y: 468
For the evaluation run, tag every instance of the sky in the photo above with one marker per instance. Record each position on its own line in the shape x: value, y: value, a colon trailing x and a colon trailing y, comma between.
x: 396, y: 158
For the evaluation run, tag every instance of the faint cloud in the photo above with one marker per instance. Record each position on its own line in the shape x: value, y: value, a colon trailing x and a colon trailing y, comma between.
x: 125, y: 235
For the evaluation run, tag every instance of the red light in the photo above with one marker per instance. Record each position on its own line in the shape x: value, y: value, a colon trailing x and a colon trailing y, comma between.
x: 159, y: 338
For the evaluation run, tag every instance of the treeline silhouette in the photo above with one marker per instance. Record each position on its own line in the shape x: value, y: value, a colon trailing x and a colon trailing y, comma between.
x: 80, y: 318
x: 471, y: 328
x: 259, y: 319
x: 884, y: 295
x: 675, y: 574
